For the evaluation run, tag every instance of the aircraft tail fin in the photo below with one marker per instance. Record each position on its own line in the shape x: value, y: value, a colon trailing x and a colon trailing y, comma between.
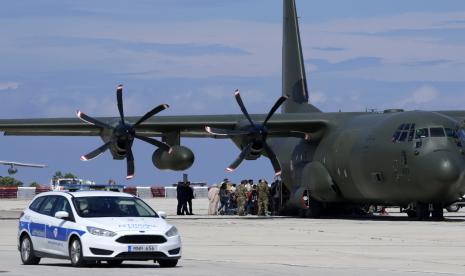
x: 294, y: 80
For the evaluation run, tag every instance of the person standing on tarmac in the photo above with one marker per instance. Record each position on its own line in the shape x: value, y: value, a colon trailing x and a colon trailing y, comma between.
x: 213, y: 198
x: 241, y: 195
x: 263, y: 197
x: 181, y: 196
x: 224, y: 199
x: 190, y: 196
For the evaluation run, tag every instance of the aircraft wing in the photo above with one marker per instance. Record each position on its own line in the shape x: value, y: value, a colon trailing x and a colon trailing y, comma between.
x: 282, y: 125
x: 18, y: 164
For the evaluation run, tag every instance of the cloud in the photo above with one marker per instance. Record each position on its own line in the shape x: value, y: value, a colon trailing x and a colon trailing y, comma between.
x: 9, y: 85
x: 419, y: 98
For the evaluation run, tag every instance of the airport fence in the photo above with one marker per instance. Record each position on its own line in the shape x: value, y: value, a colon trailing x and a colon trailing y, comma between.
x: 140, y: 191
x: 8, y: 192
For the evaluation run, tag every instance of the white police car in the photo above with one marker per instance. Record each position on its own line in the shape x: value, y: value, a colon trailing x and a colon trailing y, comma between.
x: 96, y: 226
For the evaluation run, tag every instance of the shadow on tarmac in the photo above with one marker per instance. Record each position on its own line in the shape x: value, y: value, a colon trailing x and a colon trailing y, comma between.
x: 103, y: 264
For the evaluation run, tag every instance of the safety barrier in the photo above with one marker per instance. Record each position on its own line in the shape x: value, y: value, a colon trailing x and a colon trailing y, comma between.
x: 8, y: 192
x: 140, y: 191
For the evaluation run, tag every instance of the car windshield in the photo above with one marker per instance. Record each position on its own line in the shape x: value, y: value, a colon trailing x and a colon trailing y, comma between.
x: 112, y: 206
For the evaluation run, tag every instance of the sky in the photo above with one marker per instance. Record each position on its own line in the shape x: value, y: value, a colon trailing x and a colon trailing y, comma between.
x: 63, y: 55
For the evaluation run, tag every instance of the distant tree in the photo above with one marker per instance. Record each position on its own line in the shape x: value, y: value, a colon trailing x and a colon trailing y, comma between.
x: 69, y: 175
x: 8, y: 181
x: 59, y: 174
x: 34, y: 184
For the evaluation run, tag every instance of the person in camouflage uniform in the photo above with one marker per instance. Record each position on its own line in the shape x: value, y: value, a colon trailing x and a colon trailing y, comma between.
x: 263, y: 197
x: 241, y: 195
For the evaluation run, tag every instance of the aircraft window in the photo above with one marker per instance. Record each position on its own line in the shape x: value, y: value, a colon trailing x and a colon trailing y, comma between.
x: 421, y: 133
x: 451, y: 133
x: 437, y: 132
x: 395, y: 136
x: 403, y: 136
x: 411, y: 134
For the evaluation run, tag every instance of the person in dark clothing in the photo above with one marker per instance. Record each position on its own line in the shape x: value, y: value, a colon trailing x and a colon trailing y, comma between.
x: 224, y: 199
x: 182, y: 199
x: 190, y: 196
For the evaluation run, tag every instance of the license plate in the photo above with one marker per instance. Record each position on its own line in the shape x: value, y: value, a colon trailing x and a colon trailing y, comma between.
x: 142, y: 248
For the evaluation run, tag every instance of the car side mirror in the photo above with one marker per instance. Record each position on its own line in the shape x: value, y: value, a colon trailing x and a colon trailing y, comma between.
x: 62, y: 215
x: 162, y: 214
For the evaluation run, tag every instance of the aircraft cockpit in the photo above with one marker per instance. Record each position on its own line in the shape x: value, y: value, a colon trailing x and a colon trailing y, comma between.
x: 408, y: 133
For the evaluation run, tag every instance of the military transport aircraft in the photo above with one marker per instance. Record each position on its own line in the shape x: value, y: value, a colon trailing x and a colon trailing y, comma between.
x: 12, y: 169
x: 413, y: 158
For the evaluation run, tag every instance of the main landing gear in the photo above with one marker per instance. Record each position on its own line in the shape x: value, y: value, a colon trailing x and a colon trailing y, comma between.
x: 426, y: 211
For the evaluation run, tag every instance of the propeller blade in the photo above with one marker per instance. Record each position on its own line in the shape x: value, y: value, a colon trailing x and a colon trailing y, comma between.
x: 119, y: 99
x: 130, y: 164
x: 154, y: 142
x: 151, y: 113
x: 274, y: 160
x: 91, y: 120
x: 95, y: 153
x: 225, y: 132
x: 275, y: 107
x: 240, y: 158
x: 237, y: 94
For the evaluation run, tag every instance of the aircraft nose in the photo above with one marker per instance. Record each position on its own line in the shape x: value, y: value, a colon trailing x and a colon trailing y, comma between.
x: 444, y: 167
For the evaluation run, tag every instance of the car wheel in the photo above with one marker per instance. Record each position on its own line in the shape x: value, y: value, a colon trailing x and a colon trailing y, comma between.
x: 27, y: 252
x: 75, y: 253
x: 114, y: 262
x: 167, y: 263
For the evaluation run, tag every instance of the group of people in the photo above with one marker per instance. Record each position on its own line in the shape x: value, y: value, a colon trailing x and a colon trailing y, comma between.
x: 185, y: 194
x: 246, y: 198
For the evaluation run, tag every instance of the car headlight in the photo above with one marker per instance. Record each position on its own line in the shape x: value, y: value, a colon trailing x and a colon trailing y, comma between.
x: 172, y: 232
x: 100, y: 232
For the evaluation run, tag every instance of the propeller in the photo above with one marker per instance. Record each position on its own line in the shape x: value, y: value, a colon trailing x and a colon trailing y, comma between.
x: 123, y: 134
x: 256, y: 133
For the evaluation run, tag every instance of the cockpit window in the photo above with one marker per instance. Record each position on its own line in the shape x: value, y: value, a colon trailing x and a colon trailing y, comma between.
x: 421, y: 133
x: 403, y: 133
x: 437, y: 132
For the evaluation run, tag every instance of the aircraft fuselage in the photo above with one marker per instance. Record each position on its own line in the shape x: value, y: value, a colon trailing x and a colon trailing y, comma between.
x: 390, y: 158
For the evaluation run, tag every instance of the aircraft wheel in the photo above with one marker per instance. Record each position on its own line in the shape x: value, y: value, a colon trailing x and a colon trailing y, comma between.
x: 423, y: 212
x: 411, y: 213
x: 453, y: 208
x: 315, y: 209
x: 438, y: 211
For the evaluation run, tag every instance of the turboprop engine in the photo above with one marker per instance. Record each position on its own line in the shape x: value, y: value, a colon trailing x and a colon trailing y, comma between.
x: 178, y: 158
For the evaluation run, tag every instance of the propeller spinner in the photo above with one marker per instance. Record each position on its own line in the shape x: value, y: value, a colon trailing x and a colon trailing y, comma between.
x: 256, y: 133
x: 123, y: 134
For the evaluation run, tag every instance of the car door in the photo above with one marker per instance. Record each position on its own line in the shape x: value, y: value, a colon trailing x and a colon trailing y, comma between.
x: 58, y: 229
x: 32, y: 222
x: 43, y: 220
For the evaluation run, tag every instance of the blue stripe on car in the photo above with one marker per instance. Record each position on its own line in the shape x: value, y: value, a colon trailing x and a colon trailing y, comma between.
x: 49, y: 232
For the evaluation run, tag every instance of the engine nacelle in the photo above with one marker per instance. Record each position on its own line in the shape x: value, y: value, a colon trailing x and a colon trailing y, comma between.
x: 12, y: 170
x: 179, y: 159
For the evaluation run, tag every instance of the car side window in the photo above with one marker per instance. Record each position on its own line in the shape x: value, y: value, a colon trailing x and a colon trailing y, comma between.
x: 47, y: 206
x: 62, y: 204
x: 35, y: 205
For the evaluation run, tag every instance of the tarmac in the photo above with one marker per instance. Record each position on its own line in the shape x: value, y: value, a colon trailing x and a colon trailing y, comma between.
x: 231, y: 245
